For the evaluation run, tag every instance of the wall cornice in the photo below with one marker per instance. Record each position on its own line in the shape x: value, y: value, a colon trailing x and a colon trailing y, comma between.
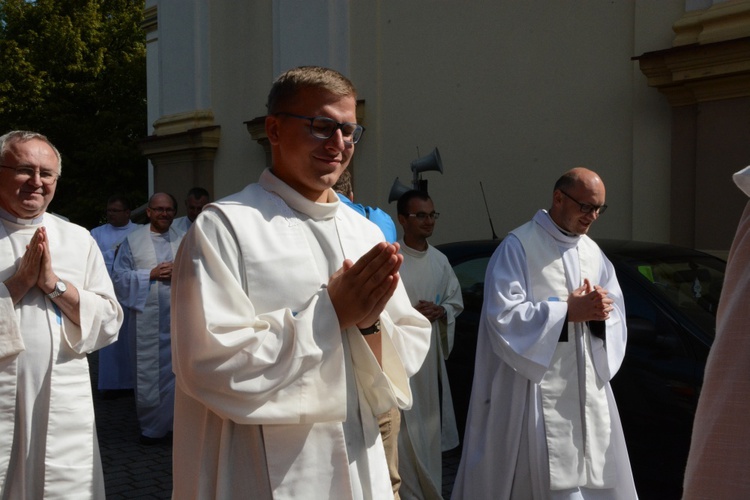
x: 149, y: 24
x: 700, y: 72
x: 720, y: 22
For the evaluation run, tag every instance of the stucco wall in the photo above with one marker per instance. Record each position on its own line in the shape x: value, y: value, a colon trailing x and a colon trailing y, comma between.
x: 511, y: 92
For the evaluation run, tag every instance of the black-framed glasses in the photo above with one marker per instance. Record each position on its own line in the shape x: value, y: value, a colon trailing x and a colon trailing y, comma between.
x: 587, y: 208
x: 25, y: 173
x: 421, y: 216
x: 322, y: 127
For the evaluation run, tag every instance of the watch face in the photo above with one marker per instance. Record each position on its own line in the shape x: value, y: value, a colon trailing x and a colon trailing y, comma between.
x: 60, y: 287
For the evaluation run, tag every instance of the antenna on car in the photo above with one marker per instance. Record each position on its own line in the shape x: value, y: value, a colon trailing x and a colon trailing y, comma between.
x: 494, y: 236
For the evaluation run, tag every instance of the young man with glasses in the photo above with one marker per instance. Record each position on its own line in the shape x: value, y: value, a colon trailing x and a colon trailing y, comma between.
x: 543, y: 421
x: 429, y: 427
x: 291, y: 328
x: 56, y: 306
x: 142, y: 275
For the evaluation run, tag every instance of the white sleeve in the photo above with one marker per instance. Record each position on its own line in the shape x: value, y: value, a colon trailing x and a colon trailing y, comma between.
x: 523, y: 332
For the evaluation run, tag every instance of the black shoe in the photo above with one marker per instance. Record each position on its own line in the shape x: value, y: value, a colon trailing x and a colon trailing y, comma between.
x: 151, y: 441
x: 116, y: 393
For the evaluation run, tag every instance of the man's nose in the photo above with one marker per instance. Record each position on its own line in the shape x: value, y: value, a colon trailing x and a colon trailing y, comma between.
x: 35, y: 179
x: 336, y: 140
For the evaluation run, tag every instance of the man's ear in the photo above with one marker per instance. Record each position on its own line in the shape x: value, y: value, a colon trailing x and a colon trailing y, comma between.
x: 557, y: 198
x: 402, y: 219
x: 272, y: 129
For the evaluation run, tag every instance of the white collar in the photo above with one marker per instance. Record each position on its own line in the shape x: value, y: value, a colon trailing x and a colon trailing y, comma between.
x: 22, y: 222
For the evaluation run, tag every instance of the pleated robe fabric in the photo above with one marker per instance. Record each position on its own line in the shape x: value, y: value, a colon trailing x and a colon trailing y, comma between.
x: 115, y: 372
x: 429, y: 427
x: 147, y: 306
x: 719, y: 458
x: 273, y: 399
x: 48, y: 444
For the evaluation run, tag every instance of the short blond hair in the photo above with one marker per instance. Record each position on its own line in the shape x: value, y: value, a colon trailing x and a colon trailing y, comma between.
x: 288, y: 85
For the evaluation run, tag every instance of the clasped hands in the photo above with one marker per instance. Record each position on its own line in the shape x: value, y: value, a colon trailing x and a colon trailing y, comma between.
x: 162, y: 272
x: 35, y: 268
x: 359, y: 291
x: 589, y: 303
x: 430, y: 310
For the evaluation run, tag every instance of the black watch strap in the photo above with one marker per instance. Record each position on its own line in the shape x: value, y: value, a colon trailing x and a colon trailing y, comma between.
x: 371, y: 329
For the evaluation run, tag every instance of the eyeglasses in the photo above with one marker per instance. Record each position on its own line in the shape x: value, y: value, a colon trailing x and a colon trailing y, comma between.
x: 323, y: 127
x: 421, y: 216
x: 162, y: 210
x: 585, y: 207
x: 25, y: 173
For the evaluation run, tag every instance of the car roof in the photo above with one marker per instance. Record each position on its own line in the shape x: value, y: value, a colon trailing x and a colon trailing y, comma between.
x: 459, y: 251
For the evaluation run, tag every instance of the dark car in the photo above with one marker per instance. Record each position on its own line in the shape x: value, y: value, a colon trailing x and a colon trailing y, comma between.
x: 671, y: 295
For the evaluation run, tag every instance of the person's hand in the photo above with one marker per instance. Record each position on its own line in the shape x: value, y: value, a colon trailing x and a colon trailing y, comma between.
x: 359, y: 291
x: 47, y: 278
x: 27, y: 274
x: 162, y: 272
x: 588, y: 303
x: 430, y: 310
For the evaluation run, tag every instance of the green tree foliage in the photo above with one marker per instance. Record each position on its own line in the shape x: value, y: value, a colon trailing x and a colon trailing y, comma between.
x: 75, y: 70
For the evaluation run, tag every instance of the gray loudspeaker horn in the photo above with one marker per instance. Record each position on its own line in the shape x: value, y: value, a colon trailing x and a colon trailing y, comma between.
x: 431, y: 161
x: 397, y: 189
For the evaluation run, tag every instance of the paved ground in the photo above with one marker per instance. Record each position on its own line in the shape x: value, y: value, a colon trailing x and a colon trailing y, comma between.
x: 132, y: 470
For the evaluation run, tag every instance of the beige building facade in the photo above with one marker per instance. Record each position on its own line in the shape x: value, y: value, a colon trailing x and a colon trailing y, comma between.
x: 652, y: 94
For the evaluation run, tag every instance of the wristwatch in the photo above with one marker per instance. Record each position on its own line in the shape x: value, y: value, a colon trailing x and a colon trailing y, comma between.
x: 60, y: 288
x: 371, y: 329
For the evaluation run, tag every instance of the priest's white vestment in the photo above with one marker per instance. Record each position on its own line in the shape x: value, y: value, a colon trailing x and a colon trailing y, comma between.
x: 109, y: 238
x: 114, y: 360
x: 429, y: 427
x: 542, y: 420
x: 273, y: 399
x: 147, y: 304
x: 48, y: 445
x: 181, y: 224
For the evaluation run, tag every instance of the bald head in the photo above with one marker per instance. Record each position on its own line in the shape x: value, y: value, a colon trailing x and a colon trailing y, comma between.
x: 578, y: 200
x: 578, y: 176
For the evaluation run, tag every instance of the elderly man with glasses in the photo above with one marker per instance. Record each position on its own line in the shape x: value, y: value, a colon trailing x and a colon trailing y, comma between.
x: 56, y: 305
x: 142, y: 275
x: 542, y: 421
x: 429, y: 427
x: 291, y: 328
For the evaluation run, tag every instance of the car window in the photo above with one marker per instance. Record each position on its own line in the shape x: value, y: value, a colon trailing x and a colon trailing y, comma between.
x: 470, y: 274
x: 692, y: 284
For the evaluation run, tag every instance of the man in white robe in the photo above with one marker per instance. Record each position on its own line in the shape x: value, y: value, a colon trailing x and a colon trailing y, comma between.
x: 142, y: 275
x: 429, y: 427
x: 56, y: 305
x: 115, y: 373
x: 291, y: 329
x: 542, y: 420
x: 196, y: 199
x: 719, y: 458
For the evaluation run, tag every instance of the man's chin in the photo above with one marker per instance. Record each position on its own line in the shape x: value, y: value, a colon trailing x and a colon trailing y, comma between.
x: 29, y: 210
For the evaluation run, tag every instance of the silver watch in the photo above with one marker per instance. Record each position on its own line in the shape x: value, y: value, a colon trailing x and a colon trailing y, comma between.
x: 60, y: 288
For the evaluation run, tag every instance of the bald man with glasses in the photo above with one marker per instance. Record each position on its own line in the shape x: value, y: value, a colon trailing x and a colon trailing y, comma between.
x: 142, y: 275
x: 542, y: 421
